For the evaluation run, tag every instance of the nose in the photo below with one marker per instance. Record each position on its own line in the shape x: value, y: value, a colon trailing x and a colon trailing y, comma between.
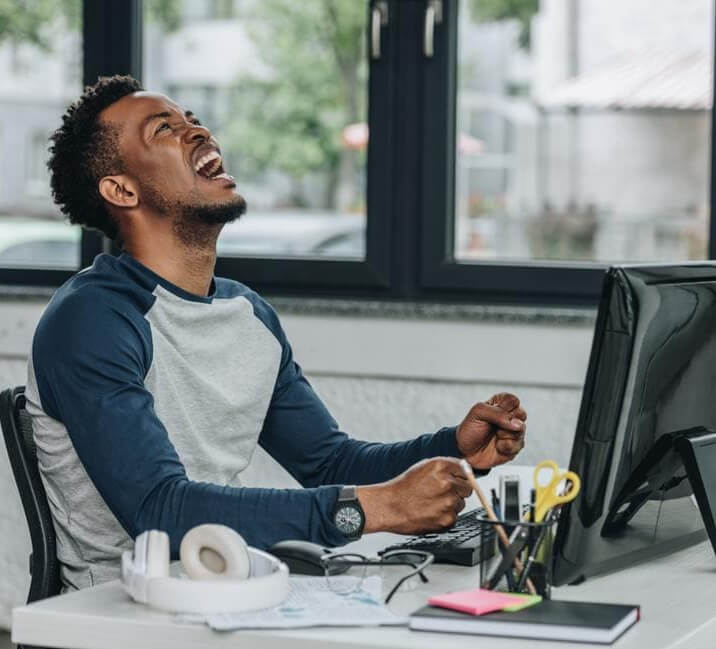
x: 196, y: 133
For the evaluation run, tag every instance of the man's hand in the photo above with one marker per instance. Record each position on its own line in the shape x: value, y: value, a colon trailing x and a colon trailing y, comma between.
x: 427, y: 497
x: 494, y: 432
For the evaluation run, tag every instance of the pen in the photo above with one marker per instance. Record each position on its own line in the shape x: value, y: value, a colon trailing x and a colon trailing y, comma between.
x: 495, y: 503
x: 531, y: 558
x: 552, y: 516
x: 491, y: 515
x: 533, y: 501
x: 511, y: 583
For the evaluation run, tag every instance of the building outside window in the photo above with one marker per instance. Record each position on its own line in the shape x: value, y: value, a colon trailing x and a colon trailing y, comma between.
x: 40, y: 65
x: 578, y: 135
x: 282, y: 85
x: 584, y: 130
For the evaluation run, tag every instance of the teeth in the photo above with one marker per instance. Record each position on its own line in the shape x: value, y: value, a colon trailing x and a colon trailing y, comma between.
x: 206, y: 159
x: 223, y: 175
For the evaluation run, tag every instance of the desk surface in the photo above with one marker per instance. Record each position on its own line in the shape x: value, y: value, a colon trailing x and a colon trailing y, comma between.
x: 676, y: 594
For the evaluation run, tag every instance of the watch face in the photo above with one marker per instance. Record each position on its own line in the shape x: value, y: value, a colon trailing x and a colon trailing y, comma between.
x: 348, y: 519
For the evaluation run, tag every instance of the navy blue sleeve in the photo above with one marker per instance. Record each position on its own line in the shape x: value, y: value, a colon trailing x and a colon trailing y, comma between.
x: 91, y: 357
x: 301, y: 435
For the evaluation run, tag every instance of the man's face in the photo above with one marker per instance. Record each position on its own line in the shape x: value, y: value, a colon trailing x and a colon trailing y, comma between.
x: 173, y: 159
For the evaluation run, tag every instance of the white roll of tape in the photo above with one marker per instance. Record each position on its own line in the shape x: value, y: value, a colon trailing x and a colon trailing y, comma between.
x: 214, y: 552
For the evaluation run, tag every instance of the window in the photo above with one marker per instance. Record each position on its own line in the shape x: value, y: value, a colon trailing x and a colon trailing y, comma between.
x: 462, y: 150
x: 576, y: 140
x: 36, y: 175
x: 579, y: 136
x: 283, y: 87
x: 39, y: 56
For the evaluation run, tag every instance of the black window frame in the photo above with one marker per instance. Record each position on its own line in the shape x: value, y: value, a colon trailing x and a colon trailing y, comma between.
x: 410, y: 180
x: 551, y: 283
x: 367, y: 277
x: 111, y: 44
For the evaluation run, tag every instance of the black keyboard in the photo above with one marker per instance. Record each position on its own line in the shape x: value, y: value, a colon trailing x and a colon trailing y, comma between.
x: 459, y: 545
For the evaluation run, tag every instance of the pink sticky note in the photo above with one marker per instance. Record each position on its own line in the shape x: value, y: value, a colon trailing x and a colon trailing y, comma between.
x: 476, y: 602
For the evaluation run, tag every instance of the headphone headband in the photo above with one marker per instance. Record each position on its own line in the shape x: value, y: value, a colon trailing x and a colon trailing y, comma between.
x: 267, y: 585
x: 205, y: 596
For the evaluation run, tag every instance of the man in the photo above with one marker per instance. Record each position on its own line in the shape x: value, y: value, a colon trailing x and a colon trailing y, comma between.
x: 151, y: 381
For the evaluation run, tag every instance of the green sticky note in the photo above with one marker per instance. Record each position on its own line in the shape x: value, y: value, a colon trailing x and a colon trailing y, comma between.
x: 527, y: 601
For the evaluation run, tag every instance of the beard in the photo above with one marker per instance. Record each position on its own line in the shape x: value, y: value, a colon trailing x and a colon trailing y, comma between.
x: 199, y: 225
x: 196, y: 224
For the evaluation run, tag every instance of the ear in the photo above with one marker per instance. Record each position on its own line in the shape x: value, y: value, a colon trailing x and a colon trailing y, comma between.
x: 119, y: 191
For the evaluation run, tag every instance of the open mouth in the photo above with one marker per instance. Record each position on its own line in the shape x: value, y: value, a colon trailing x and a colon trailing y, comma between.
x: 210, y: 166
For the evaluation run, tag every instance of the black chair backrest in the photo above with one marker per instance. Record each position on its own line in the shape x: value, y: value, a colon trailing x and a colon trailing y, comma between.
x: 17, y: 431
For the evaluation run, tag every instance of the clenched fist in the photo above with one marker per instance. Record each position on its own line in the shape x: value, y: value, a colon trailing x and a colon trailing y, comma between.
x: 493, y: 432
x: 426, y: 497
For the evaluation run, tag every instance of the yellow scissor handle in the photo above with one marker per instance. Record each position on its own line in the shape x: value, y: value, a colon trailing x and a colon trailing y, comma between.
x: 548, y: 495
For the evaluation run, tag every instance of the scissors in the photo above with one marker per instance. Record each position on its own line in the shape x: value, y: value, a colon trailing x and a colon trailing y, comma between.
x: 549, y: 495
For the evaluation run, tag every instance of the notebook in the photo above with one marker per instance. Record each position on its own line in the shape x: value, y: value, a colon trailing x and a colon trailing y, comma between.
x: 548, y: 620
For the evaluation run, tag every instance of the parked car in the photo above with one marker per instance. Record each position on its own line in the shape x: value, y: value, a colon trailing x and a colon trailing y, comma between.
x: 38, y: 243
x: 289, y: 233
x: 49, y: 243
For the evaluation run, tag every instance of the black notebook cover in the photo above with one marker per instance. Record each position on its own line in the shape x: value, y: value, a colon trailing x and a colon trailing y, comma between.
x: 559, y: 620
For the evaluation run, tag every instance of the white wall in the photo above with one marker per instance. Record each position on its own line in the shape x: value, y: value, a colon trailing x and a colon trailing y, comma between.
x: 389, y: 379
x: 383, y: 378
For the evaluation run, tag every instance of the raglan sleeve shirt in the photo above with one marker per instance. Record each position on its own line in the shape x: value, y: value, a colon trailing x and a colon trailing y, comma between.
x: 92, y: 378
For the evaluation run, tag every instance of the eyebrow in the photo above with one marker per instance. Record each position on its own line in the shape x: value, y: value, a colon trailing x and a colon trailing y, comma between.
x: 164, y: 114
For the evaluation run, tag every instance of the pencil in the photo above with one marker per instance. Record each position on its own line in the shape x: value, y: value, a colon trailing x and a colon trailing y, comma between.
x: 491, y: 515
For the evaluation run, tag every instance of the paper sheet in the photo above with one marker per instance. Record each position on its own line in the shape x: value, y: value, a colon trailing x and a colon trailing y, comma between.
x: 311, y: 602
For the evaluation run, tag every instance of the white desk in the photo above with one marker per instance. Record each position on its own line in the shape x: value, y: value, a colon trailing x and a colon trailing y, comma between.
x: 677, y: 595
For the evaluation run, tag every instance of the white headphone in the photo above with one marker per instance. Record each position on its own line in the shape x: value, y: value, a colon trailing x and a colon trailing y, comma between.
x: 225, y: 575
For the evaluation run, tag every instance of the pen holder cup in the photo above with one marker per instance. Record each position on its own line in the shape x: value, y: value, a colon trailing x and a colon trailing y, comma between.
x: 524, y: 563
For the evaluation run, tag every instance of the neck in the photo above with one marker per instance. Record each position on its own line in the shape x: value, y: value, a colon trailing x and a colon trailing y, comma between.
x: 190, y: 266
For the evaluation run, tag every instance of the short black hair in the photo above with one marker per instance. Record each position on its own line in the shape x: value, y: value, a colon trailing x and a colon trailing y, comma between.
x: 84, y: 149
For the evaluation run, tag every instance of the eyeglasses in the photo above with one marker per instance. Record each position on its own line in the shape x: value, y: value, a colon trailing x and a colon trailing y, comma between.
x: 339, y: 568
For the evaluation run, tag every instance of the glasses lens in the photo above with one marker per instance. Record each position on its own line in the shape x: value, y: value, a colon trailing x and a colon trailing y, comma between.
x: 344, y: 572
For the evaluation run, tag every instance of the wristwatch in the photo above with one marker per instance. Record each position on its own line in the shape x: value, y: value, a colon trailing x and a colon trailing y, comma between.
x: 348, y: 515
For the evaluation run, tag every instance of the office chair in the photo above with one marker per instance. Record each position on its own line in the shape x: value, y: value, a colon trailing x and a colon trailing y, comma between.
x: 17, y: 431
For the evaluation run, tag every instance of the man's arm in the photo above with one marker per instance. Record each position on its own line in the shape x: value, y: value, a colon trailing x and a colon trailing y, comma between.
x: 90, y: 362
x: 303, y: 437
x: 301, y: 434
x: 425, y: 495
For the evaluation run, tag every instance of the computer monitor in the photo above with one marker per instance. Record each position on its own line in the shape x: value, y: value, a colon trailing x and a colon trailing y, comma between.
x: 652, y: 372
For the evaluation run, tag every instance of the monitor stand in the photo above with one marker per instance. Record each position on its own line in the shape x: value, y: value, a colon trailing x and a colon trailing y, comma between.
x: 680, y: 463
x: 698, y: 453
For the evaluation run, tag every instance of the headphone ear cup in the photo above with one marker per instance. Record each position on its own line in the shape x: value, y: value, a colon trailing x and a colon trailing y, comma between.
x: 214, y: 552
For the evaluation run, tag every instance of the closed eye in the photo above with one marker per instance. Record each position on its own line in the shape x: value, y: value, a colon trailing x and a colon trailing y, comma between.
x: 162, y: 127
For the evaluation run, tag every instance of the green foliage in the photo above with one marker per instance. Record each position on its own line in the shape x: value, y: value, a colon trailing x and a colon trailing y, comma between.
x: 521, y: 10
x: 289, y: 114
x: 27, y: 21
x: 165, y: 12
x: 30, y: 21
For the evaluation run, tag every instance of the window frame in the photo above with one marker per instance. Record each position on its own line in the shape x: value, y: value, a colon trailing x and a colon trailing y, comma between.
x: 370, y: 276
x: 410, y: 181
x: 552, y: 283
x: 111, y: 41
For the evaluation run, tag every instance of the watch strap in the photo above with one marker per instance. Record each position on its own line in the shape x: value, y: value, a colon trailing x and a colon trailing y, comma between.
x: 347, y: 492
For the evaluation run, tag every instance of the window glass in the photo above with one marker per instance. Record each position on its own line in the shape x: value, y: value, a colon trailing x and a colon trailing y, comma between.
x: 283, y: 87
x: 41, y: 72
x: 583, y: 130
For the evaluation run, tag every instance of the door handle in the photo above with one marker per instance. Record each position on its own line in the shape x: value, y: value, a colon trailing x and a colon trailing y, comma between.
x: 378, y: 20
x: 433, y: 16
